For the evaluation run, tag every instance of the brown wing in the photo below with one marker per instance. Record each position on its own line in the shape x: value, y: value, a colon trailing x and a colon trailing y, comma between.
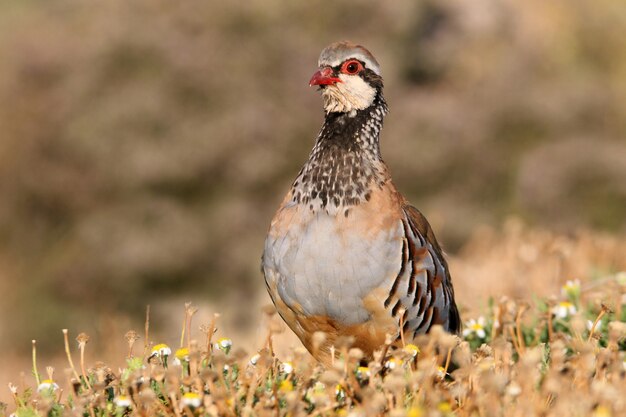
x: 422, y: 288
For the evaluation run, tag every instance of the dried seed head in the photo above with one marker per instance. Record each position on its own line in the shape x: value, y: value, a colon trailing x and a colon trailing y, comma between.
x: 190, y: 309
x: 147, y: 397
x: 463, y: 354
x: 377, y: 402
x: 329, y: 377
x: 494, y: 382
x: 50, y: 372
x: 394, y: 383
x: 344, y: 342
x: 449, y: 341
x: 239, y: 354
x: 82, y: 339
x: 437, y: 332
x: 355, y: 354
x: 617, y: 331
x: 358, y: 412
x: 158, y: 374
x: 131, y: 336
x: 484, y: 351
x: 532, y: 357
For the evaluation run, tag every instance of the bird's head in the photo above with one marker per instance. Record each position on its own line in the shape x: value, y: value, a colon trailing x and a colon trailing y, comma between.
x: 348, y: 76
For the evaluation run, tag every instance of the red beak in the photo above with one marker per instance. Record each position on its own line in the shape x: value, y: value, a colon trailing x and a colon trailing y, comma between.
x: 324, y: 76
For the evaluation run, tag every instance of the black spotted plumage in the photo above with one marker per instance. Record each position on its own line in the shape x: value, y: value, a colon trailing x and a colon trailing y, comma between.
x: 337, y: 172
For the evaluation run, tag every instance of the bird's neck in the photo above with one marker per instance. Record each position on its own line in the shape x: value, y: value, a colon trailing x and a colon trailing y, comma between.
x: 345, y: 163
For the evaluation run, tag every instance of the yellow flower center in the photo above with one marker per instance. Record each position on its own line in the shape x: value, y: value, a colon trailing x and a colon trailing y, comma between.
x: 286, y: 386
x: 444, y: 407
x: 415, y: 412
x: 182, y: 353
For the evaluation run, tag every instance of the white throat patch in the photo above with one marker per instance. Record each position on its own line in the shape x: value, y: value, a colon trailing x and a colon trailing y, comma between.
x: 348, y: 96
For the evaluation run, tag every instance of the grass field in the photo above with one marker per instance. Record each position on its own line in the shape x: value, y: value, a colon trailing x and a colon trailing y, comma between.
x: 560, y: 353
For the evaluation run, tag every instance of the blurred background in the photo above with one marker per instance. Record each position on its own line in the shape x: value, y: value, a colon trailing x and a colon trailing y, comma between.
x: 145, y: 145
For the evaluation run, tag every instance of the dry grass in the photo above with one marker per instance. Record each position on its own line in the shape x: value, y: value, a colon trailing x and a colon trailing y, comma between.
x: 524, y: 262
x: 145, y: 145
x: 565, y: 355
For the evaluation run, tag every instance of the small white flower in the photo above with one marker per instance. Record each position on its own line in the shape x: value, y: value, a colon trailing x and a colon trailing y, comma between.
x: 47, y: 385
x: 393, y: 363
x: 602, y: 411
x: 254, y: 359
x: 191, y: 400
x: 123, y: 401
x: 161, y: 350
x: 441, y: 372
x: 181, y: 355
x: 411, y: 349
x: 363, y: 372
x: 312, y: 394
x: 340, y: 393
x: 286, y: 386
x: 590, y: 325
x: 476, y: 327
x: 224, y: 344
x: 564, y: 309
x: 286, y: 367
x: 513, y: 389
x: 319, y: 387
x: 571, y: 289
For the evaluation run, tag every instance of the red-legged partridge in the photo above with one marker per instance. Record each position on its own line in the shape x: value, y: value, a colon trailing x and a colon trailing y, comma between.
x: 346, y: 254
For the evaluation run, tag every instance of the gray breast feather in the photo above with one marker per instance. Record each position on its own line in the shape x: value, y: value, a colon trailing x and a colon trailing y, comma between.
x: 327, y: 271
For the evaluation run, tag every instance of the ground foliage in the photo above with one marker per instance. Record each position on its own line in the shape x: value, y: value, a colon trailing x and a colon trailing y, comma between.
x: 556, y: 357
x: 146, y: 144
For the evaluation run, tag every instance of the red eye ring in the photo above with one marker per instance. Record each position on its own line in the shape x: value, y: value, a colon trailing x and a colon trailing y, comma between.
x: 351, y: 67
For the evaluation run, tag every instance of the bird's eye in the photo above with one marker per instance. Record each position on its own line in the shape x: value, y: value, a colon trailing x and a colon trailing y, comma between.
x: 352, y: 67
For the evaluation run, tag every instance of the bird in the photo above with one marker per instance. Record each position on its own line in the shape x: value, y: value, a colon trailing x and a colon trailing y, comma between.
x: 346, y: 254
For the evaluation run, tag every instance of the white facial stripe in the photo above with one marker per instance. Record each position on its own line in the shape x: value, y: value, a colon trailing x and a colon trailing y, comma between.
x: 356, y: 55
x: 352, y: 94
